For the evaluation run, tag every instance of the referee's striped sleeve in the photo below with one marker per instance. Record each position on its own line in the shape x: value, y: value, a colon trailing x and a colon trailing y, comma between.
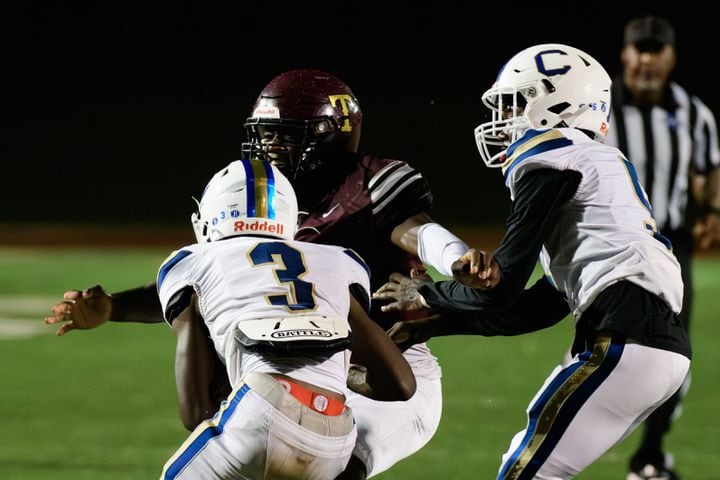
x: 705, y: 139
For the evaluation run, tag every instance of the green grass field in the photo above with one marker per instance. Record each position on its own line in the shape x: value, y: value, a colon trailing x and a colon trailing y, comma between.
x: 101, y: 404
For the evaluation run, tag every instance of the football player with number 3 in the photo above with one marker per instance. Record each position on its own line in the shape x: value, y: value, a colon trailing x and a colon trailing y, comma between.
x: 280, y: 315
x: 308, y: 123
x: 577, y: 204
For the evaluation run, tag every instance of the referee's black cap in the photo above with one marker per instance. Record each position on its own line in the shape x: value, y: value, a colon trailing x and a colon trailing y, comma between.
x: 649, y: 33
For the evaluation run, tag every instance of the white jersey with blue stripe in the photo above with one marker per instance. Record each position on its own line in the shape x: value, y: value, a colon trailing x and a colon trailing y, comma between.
x: 247, y: 277
x: 606, y: 232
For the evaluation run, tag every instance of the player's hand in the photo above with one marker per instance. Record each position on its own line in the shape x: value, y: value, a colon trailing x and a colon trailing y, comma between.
x: 357, y: 379
x: 707, y: 231
x: 403, y: 291
x: 476, y: 269
x: 81, y: 310
x: 407, y: 333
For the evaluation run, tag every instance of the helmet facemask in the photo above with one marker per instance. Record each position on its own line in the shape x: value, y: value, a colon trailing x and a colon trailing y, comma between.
x: 508, y: 123
x: 296, y: 147
x: 307, y: 123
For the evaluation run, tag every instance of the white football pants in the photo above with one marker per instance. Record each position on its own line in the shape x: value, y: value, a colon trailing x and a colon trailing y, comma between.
x: 589, y: 405
x: 391, y: 431
x: 262, y: 432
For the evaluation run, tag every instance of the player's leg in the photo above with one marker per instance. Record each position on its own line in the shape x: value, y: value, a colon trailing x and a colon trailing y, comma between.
x: 262, y: 431
x: 391, y: 431
x: 650, y: 450
x: 214, y: 451
x: 588, y: 406
x: 302, y: 442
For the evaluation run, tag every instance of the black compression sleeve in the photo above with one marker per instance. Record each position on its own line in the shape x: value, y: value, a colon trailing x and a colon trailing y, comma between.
x: 540, y: 195
x: 540, y: 306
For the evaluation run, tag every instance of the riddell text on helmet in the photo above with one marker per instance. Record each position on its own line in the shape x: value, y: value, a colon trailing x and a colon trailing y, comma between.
x: 258, y: 226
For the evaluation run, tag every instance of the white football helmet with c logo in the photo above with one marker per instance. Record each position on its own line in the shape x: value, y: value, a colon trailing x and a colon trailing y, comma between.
x: 248, y: 197
x: 545, y: 86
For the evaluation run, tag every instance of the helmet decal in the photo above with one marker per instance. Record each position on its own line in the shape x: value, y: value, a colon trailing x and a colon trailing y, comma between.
x: 267, y: 111
x: 550, y: 71
x: 260, y: 189
x: 247, y: 197
x: 344, y: 100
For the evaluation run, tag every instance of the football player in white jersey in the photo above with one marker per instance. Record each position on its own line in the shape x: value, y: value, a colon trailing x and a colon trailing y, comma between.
x: 377, y: 206
x: 282, y: 315
x: 577, y: 205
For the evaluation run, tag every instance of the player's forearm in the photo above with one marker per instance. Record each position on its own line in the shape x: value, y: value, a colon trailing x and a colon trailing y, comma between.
x: 140, y: 305
x: 404, y: 235
x: 452, y: 296
x: 433, y: 243
x: 490, y: 324
x: 538, y: 307
x: 538, y: 201
x: 194, y: 368
x: 388, y: 375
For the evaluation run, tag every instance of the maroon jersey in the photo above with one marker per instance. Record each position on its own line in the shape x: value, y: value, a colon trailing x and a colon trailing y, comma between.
x: 362, y: 212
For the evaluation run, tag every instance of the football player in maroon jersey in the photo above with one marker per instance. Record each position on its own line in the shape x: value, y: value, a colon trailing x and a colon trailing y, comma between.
x: 307, y: 123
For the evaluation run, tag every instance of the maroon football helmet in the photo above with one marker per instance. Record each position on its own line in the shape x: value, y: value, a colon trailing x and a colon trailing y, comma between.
x: 301, y: 120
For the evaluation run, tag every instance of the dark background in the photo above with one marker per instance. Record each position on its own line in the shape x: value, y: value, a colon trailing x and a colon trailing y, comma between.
x: 120, y: 111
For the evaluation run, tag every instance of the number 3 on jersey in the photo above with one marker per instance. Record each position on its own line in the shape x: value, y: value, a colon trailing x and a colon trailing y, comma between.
x: 290, y: 268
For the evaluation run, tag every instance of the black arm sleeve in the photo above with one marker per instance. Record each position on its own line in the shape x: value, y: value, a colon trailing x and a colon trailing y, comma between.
x: 535, y: 211
x: 540, y: 306
x: 360, y: 294
x: 178, y: 303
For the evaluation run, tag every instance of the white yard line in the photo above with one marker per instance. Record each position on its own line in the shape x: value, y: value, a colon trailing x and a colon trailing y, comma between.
x: 16, y: 329
x: 21, y: 316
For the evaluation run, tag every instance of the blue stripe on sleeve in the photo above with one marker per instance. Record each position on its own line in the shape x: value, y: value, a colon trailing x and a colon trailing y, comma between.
x: 168, y: 265
x: 350, y: 253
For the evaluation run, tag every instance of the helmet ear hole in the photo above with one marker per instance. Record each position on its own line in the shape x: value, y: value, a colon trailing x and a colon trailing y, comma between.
x: 548, y: 85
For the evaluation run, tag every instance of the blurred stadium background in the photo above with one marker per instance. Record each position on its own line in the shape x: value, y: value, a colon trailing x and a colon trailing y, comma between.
x: 119, y: 112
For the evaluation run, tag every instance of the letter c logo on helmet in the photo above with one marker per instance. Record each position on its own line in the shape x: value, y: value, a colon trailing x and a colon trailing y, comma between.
x: 553, y: 71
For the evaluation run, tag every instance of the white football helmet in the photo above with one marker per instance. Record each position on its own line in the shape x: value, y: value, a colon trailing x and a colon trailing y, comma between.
x: 545, y: 86
x: 248, y: 197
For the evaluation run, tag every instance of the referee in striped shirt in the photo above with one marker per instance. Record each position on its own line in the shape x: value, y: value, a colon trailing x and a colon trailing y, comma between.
x: 671, y: 138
